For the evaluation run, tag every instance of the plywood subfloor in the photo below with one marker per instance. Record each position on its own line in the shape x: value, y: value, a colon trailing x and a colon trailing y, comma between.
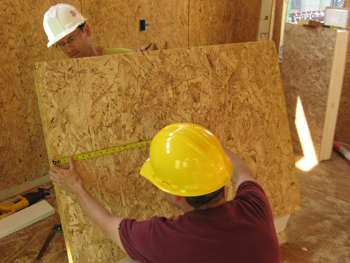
x: 318, y: 233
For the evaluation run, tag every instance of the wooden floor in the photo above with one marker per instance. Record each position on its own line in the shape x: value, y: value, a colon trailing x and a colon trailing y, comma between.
x: 320, y: 232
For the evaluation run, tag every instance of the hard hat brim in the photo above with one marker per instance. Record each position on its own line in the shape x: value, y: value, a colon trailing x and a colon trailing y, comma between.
x: 64, y: 34
x: 146, y: 169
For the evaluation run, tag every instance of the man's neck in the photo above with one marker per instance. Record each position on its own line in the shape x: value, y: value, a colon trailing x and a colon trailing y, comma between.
x: 94, y: 52
x: 218, y: 203
x: 210, y: 205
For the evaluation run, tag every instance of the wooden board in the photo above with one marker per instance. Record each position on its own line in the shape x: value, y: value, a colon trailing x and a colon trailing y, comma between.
x: 312, y: 72
x: 92, y: 103
x: 277, y: 24
x: 25, y: 217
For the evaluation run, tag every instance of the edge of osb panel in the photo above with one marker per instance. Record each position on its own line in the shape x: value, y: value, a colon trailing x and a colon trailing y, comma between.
x: 49, y: 153
x: 299, y: 206
x: 41, y: 108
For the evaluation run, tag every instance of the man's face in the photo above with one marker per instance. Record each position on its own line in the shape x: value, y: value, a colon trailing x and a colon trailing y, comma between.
x: 75, y: 45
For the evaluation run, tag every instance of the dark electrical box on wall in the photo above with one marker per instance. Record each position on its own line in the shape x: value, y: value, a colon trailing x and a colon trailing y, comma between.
x: 142, y: 25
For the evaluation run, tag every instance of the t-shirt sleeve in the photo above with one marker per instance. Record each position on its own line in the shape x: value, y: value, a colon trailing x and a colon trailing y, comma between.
x: 252, y: 193
x: 136, y: 239
x: 111, y: 50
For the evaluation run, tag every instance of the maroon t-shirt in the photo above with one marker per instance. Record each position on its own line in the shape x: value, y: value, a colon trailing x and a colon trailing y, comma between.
x: 242, y: 230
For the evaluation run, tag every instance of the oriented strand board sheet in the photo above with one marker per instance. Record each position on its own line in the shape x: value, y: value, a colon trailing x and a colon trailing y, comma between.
x: 247, y: 16
x: 166, y: 22
x: 23, y: 156
x: 342, y: 131
x: 310, y: 67
x: 88, y: 104
x: 223, y: 22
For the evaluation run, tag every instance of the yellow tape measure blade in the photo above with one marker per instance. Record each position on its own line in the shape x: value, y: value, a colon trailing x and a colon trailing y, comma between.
x: 88, y: 155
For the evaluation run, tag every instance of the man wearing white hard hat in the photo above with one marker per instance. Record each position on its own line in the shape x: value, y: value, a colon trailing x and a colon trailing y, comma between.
x: 188, y: 163
x: 65, y: 27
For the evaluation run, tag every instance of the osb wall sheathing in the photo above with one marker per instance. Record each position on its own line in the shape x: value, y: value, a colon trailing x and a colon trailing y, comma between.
x: 118, y: 22
x: 342, y: 131
x: 89, y: 104
x: 247, y: 18
x: 23, y: 155
x: 225, y: 22
x: 306, y: 71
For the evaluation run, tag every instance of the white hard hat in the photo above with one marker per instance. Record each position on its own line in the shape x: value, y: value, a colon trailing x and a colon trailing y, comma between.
x: 61, y: 20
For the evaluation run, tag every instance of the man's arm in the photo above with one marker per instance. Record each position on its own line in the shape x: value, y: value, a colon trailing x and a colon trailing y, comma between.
x: 69, y: 180
x: 241, y: 171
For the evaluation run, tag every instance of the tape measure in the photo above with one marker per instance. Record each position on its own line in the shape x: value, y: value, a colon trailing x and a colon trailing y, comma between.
x: 88, y: 155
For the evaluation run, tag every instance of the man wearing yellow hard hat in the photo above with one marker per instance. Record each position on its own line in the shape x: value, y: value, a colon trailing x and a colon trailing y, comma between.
x: 189, y: 164
x: 65, y: 27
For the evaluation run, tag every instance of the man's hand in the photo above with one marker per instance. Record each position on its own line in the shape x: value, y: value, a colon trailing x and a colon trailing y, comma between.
x: 68, y: 180
x: 241, y: 171
x: 141, y: 49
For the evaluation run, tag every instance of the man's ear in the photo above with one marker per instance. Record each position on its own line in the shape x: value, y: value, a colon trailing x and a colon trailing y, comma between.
x: 176, y: 198
x: 87, y: 30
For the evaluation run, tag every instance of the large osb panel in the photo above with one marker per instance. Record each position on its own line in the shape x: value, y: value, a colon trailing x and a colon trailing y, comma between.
x: 223, y: 22
x: 93, y: 103
x: 306, y: 71
x: 342, y: 131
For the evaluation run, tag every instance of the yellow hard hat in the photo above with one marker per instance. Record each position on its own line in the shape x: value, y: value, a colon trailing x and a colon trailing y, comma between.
x: 187, y: 160
x: 61, y: 20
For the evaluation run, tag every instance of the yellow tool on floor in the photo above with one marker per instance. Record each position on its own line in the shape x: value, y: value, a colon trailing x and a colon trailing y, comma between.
x: 22, y: 202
